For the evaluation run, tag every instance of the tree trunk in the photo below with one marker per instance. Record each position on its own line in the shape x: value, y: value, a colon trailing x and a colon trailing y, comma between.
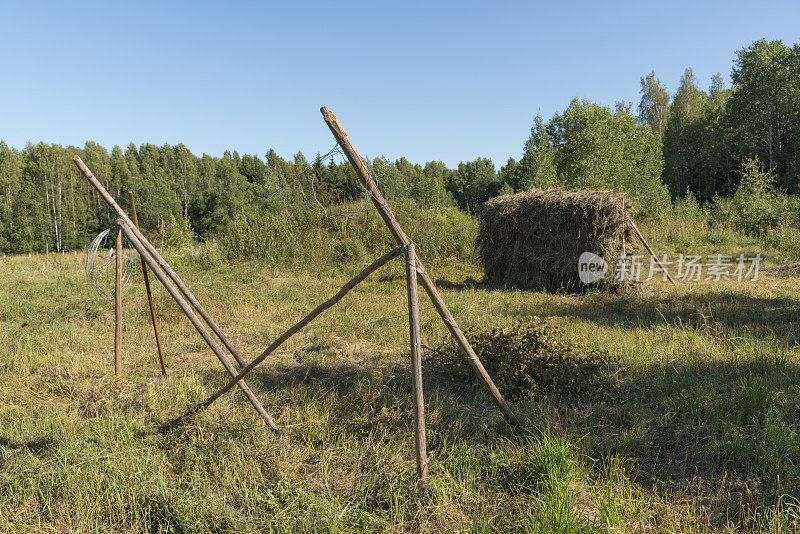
x: 60, y: 216
x: 771, y: 156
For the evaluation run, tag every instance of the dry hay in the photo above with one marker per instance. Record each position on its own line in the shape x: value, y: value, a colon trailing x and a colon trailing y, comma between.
x: 533, y: 239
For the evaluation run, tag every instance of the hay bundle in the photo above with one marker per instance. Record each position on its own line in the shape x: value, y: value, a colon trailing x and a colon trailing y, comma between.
x: 534, y: 239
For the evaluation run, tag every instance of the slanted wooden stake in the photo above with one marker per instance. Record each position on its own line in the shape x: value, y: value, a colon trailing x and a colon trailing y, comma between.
x: 650, y: 250
x: 149, y: 295
x: 184, y: 306
x: 416, y: 362
x: 402, y: 240
x: 154, y: 261
x: 118, y: 305
x: 157, y: 257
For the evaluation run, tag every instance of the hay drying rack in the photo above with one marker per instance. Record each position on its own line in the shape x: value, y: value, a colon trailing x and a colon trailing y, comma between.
x: 415, y: 272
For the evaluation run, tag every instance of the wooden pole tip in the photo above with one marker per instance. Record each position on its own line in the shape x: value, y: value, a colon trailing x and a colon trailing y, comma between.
x: 327, y: 114
x: 81, y: 165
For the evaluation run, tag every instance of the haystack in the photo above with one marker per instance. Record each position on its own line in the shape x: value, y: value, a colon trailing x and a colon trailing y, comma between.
x: 534, y: 239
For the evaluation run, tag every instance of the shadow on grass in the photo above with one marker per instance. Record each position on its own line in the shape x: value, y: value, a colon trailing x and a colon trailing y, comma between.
x: 758, y: 316
x: 469, y: 283
x: 725, y: 432
x: 38, y: 446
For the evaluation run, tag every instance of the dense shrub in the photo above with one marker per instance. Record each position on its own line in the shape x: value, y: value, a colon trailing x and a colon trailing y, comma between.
x: 438, y: 233
x: 686, y: 207
x: 756, y: 206
x: 178, y: 233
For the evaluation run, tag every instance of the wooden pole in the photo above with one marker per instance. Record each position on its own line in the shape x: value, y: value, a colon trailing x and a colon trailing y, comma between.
x: 650, y: 250
x: 184, y: 306
x: 416, y: 363
x: 427, y: 283
x: 118, y: 305
x: 299, y: 325
x: 164, y: 265
x: 149, y: 295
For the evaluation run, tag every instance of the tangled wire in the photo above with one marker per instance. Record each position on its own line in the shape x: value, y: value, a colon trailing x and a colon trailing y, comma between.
x: 311, y: 200
x: 101, y: 264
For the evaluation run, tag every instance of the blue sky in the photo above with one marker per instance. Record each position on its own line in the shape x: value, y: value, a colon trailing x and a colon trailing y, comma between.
x: 448, y: 81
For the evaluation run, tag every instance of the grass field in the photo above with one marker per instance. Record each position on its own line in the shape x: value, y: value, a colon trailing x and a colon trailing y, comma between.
x: 698, y: 428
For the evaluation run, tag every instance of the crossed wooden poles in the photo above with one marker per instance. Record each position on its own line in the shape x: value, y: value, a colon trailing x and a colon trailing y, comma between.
x: 415, y: 271
x: 118, y: 299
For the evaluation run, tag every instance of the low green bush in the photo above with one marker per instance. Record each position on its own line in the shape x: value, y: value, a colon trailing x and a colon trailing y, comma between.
x: 271, y: 238
x: 531, y: 357
x: 177, y: 233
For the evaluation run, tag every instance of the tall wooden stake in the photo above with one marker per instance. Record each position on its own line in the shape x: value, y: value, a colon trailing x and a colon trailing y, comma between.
x: 118, y: 305
x: 149, y: 295
x: 416, y: 362
x: 403, y: 240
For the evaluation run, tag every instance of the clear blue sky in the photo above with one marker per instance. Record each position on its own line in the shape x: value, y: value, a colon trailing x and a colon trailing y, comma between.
x: 448, y: 81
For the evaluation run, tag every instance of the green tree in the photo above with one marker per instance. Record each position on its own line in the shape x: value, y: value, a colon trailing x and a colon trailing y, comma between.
x: 537, y: 166
x: 11, y: 165
x: 430, y: 187
x: 654, y: 105
x: 596, y: 147
x: 683, y: 135
x: 764, y: 108
x: 390, y: 180
x: 474, y: 183
x: 182, y: 171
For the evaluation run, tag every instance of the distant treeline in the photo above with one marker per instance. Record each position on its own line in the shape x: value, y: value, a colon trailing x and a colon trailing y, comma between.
x: 693, y: 141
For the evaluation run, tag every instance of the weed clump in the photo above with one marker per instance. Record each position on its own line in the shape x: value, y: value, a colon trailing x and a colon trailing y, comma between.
x: 348, y: 250
x: 532, y: 357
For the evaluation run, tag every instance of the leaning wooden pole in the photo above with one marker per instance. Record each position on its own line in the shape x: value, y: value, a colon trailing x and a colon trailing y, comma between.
x: 374, y: 266
x: 402, y: 240
x: 149, y: 294
x: 118, y: 303
x: 164, y: 265
x: 650, y: 250
x: 416, y: 363
x: 184, y: 306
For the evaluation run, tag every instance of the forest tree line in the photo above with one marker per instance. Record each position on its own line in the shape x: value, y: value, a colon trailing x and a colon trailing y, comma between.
x: 693, y: 142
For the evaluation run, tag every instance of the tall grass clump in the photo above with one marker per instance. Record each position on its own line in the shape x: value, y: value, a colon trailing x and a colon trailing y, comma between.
x: 260, y: 237
x: 443, y: 232
x: 304, y: 236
